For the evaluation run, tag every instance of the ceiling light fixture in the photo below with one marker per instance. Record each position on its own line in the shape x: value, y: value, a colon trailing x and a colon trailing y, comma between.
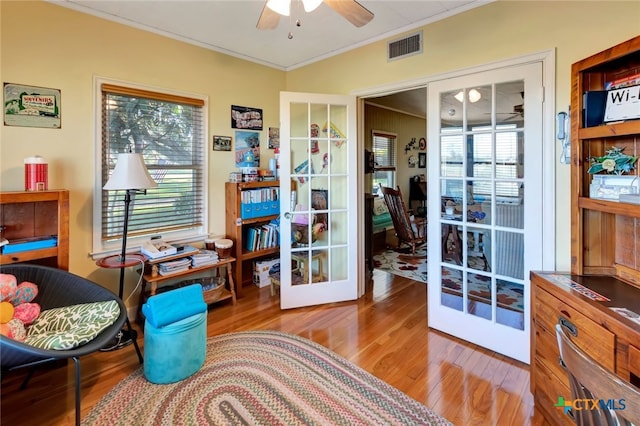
x: 283, y: 7
x: 473, y: 95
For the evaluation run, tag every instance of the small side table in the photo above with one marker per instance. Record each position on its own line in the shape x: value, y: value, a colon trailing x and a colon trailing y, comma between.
x: 151, y: 279
x: 128, y: 336
x: 304, y: 266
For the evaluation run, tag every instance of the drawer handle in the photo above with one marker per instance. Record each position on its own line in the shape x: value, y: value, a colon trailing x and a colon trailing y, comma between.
x: 568, y: 325
x: 562, y: 364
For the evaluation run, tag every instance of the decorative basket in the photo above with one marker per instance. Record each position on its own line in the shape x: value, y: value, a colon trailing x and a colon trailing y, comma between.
x: 212, y: 292
x: 212, y: 287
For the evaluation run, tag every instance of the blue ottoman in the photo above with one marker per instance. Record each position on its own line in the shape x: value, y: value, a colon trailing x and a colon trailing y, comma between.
x: 175, y: 334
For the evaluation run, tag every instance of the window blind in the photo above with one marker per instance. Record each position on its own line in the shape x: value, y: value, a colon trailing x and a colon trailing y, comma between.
x: 168, y: 131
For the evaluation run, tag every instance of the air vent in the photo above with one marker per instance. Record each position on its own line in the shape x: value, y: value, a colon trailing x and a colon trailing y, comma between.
x: 406, y: 46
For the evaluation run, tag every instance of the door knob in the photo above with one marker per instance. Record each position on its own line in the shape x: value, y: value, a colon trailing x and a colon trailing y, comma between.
x: 287, y: 215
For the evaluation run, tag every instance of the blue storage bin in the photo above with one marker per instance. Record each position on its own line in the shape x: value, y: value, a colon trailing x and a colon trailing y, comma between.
x: 175, y: 334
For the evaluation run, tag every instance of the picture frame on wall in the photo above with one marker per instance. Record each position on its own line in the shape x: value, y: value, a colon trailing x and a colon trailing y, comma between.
x: 274, y: 137
x: 222, y: 143
x: 246, y: 118
x: 31, y: 106
x: 422, y: 160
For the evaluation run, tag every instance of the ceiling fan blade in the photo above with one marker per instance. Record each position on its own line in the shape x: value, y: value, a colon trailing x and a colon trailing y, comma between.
x: 351, y: 10
x: 268, y: 19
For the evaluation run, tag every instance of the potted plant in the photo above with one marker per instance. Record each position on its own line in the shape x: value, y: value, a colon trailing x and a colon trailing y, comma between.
x: 611, y: 174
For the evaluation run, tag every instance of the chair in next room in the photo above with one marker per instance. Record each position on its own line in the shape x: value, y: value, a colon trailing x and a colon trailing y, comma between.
x: 408, y: 231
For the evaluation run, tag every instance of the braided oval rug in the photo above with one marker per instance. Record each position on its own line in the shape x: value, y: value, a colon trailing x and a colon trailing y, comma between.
x: 263, y: 378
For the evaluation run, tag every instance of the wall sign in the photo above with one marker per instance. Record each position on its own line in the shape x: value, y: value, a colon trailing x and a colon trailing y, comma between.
x: 246, y: 118
x: 31, y: 106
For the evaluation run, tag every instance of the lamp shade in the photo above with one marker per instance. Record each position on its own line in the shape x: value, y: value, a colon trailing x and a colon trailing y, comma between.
x: 130, y: 173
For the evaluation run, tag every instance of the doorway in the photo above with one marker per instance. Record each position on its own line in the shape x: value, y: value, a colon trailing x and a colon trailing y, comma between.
x: 512, y: 110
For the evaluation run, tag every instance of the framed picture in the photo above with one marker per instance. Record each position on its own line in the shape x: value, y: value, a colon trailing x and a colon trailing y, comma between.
x: 274, y: 137
x: 422, y: 160
x: 222, y: 143
x: 422, y: 144
x: 246, y: 118
x: 247, y: 149
x: 320, y: 201
x: 31, y: 106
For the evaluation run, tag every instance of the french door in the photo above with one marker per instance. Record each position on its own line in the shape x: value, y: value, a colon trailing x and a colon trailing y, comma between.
x: 485, y: 205
x: 318, y: 174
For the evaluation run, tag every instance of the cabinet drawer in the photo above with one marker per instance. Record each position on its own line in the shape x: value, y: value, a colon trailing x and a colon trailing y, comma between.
x: 592, y: 338
x: 548, y: 389
x: 547, y: 353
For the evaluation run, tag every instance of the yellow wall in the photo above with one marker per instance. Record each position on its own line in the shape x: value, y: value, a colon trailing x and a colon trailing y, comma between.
x: 51, y: 46
x: 47, y: 45
x: 405, y: 127
x: 494, y: 32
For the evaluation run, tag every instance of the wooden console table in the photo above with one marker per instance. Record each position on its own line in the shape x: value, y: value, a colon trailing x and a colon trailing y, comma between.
x: 602, y: 314
x: 152, y: 279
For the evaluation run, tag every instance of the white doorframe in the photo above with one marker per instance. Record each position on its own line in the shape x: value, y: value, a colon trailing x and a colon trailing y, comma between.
x: 550, y: 149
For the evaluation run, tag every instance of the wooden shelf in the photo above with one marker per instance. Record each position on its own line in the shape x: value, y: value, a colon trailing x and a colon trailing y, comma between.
x: 605, y: 250
x: 627, y: 128
x: 613, y: 207
x: 210, y: 296
x: 603, y: 233
x: 236, y: 227
x: 29, y: 214
x: 150, y: 278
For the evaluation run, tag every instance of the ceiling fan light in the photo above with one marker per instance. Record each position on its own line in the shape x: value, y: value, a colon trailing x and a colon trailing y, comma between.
x: 281, y: 7
x: 311, y: 5
x: 474, y: 96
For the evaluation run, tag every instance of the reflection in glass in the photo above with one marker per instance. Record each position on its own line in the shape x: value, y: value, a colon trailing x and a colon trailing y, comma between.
x: 476, y: 240
x: 451, y: 290
x: 510, y: 300
x: 451, y: 155
x: 450, y: 112
x: 338, y: 259
x: 510, y: 103
x: 299, y: 120
x: 509, y: 259
x: 337, y: 228
x: 317, y: 120
x: 479, y: 295
x: 451, y: 244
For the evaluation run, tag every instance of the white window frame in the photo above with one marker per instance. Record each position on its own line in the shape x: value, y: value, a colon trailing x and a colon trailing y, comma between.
x: 100, y: 247
x: 391, y: 169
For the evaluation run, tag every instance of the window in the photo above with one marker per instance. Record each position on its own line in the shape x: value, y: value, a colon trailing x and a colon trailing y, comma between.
x: 384, y: 153
x: 169, y: 131
x: 508, y: 153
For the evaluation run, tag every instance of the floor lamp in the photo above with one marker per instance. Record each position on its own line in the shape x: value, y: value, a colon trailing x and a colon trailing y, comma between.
x: 130, y: 175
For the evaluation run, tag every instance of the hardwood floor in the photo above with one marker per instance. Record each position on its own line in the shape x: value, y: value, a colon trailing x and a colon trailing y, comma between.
x: 385, y: 333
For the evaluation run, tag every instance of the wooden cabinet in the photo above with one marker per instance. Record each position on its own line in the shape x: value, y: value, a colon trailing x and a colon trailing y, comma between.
x: 237, y: 224
x: 583, y: 304
x: 604, y: 234
x: 605, y: 251
x: 28, y: 215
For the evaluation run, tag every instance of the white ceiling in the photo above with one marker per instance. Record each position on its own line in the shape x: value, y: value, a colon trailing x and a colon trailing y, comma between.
x: 229, y: 26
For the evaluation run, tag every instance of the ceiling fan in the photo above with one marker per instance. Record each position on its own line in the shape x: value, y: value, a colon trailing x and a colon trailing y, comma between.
x: 351, y: 10
x: 517, y: 112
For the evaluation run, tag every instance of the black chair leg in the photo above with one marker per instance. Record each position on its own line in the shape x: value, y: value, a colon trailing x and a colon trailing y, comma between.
x: 134, y: 339
x: 76, y: 360
x: 25, y: 382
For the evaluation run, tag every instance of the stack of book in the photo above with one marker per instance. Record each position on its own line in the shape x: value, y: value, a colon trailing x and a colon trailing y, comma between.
x: 174, y: 266
x: 261, y: 237
x: 204, y: 257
